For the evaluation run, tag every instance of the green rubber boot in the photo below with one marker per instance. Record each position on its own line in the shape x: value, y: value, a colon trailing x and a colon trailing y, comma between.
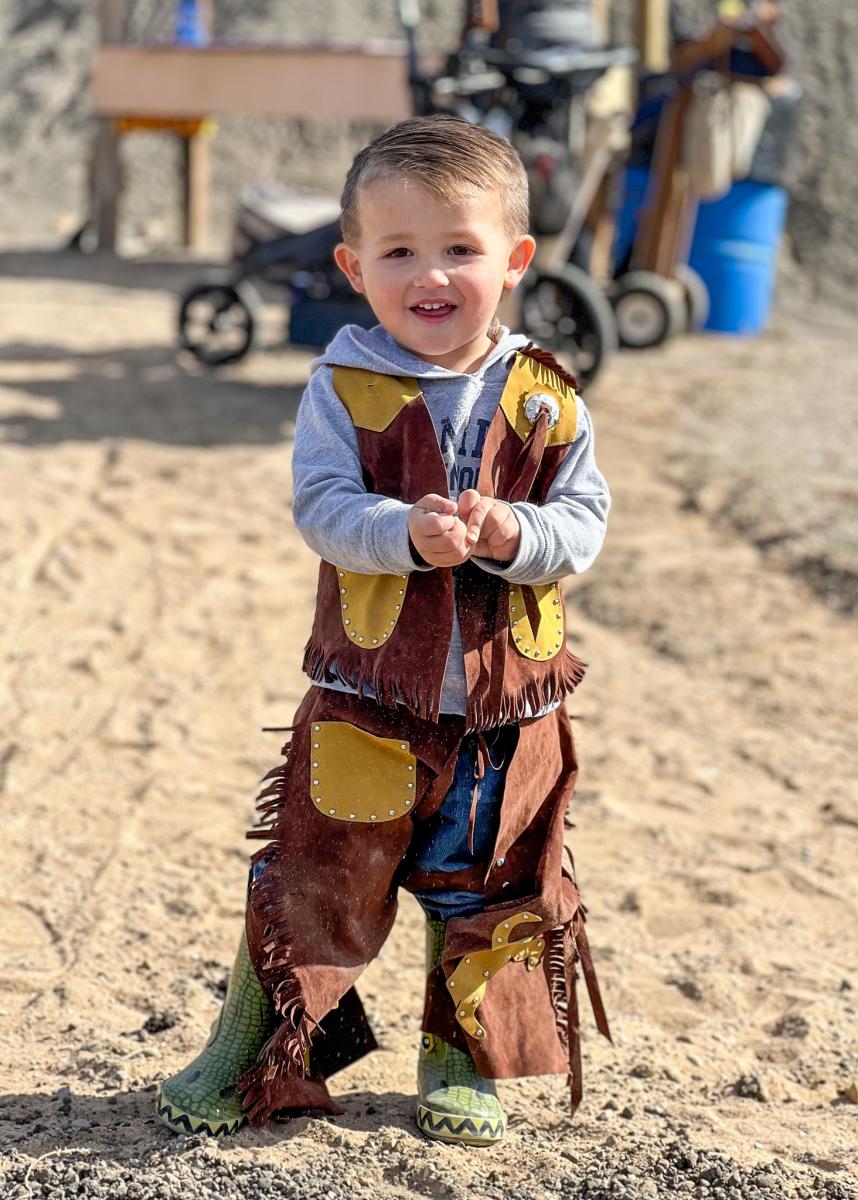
x: 454, y: 1102
x: 201, y: 1098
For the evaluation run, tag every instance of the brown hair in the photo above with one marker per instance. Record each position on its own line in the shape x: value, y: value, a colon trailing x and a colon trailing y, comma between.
x: 450, y: 158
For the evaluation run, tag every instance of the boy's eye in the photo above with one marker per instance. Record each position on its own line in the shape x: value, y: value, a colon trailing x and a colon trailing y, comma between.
x: 462, y: 250
x: 399, y: 252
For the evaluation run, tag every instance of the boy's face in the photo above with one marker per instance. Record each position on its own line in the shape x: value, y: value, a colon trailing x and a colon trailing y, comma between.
x: 433, y: 271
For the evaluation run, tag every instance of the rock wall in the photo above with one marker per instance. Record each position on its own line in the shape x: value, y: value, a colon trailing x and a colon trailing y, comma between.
x: 44, y: 123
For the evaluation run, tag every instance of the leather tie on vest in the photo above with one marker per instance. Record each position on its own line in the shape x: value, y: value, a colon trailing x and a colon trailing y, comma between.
x: 527, y: 464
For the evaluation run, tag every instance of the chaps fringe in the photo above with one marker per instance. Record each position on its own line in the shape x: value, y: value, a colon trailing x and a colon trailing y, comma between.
x: 556, y: 968
x: 286, y: 1053
x: 567, y: 947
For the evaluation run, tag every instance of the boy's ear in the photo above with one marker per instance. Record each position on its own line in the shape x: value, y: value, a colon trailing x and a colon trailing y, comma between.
x: 349, y: 264
x: 520, y: 258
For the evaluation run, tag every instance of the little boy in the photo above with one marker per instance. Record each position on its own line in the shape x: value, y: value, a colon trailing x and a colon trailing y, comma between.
x: 444, y: 472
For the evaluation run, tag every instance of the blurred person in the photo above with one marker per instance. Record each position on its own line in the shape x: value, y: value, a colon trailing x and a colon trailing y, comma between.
x: 444, y: 472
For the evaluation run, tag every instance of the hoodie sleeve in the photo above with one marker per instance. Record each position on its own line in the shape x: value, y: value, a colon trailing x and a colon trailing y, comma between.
x: 338, y: 518
x: 563, y: 535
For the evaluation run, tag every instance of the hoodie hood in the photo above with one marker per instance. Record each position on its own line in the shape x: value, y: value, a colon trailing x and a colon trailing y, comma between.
x: 375, y: 350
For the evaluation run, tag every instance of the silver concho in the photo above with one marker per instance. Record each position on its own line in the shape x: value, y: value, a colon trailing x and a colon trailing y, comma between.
x: 534, y: 405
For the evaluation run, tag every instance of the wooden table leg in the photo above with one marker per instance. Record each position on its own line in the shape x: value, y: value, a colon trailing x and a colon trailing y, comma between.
x: 196, y: 188
x: 105, y: 184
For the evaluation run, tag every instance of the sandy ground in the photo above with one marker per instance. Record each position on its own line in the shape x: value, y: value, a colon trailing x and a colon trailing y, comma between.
x: 154, y: 600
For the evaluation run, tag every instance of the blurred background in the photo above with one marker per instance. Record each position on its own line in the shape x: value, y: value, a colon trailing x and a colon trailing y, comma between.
x: 170, y: 173
x: 46, y: 115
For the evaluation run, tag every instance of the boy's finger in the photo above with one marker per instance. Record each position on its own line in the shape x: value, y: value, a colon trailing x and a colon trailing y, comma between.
x: 431, y: 525
x: 467, y: 500
x: 449, y: 558
x: 433, y: 503
x: 477, y: 516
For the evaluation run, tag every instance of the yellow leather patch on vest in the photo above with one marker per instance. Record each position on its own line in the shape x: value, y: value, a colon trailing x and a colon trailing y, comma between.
x: 528, y: 378
x: 547, y: 639
x: 355, y: 776
x: 373, y: 400
x: 467, y: 984
x: 370, y: 606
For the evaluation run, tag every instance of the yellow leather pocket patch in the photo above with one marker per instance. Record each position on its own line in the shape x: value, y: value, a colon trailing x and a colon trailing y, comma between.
x: 536, y: 619
x: 370, y: 606
x: 355, y: 776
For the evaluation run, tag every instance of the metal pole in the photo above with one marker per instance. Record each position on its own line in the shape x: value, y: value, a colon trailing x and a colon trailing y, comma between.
x: 105, y: 170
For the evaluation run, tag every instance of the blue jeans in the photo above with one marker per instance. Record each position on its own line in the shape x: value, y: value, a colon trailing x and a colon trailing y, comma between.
x: 441, y: 844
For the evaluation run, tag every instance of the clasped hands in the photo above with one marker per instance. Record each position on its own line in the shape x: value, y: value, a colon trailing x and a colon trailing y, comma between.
x: 445, y: 533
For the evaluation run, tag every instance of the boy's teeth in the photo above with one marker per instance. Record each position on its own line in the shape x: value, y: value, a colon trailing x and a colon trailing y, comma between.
x: 430, y: 307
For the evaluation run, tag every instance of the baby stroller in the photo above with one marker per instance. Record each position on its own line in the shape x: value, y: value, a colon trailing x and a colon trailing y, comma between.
x: 281, y: 237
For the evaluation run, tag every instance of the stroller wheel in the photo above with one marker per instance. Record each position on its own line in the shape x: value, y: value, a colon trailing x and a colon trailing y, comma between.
x: 696, y: 296
x: 649, y: 309
x: 217, y: 321
x: 565, y: 311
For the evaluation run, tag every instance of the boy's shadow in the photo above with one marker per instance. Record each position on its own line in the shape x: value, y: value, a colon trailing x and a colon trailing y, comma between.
x: 122, y: 1127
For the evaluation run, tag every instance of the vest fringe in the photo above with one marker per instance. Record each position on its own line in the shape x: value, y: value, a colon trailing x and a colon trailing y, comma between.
x: 264, y: 1086
x: 528, y: 700
x: 360, y: 670
x: 546, y: 359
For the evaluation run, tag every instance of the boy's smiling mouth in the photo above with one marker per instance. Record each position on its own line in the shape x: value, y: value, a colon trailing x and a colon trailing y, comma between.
x: 433, y: 311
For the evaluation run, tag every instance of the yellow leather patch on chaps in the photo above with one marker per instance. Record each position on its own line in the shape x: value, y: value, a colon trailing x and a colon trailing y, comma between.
x: 467, y: 984
x: 355, y: 776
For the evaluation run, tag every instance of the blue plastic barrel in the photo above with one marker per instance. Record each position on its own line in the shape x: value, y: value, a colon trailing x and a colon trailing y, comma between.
x: 734, y: 248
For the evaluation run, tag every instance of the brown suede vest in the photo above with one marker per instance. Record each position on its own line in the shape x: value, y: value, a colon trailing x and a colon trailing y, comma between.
x: 392, y: 632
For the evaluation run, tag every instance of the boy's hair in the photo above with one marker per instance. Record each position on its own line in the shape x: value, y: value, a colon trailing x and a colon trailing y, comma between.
x: 451, y: 158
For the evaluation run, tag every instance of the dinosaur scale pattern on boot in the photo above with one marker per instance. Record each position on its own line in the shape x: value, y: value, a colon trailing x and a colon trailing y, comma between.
x: 455, y: 1103
x: 201, y: 1098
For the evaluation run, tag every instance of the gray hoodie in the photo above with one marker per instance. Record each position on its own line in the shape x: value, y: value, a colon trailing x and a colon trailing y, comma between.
x: 367, y: 533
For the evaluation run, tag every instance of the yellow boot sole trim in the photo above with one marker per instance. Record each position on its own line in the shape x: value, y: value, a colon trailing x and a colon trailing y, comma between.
x: 446, y: 1128
x: 187, y: 1123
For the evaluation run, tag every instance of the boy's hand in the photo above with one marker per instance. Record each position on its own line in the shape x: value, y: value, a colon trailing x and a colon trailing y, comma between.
x: 437, y: 533
x: 493, y: 530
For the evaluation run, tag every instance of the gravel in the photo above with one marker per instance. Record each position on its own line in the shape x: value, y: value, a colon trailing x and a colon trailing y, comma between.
x: 198, y: 1169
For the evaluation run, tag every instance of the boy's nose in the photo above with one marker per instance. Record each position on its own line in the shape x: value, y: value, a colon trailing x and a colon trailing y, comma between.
x: 431, y: 277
